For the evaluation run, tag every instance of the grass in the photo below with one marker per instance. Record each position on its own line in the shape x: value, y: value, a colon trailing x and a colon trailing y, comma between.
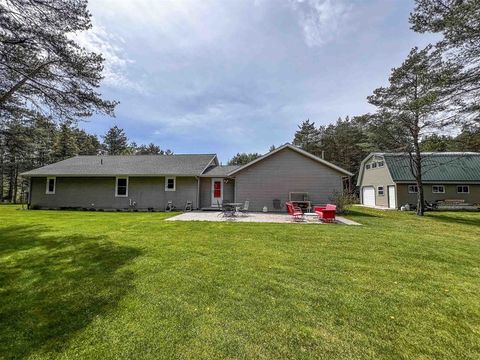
x: 130, y: 285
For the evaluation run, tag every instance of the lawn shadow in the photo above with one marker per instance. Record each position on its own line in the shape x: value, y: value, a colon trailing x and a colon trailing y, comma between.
x: 53, y: 286
x: 451, y: 218
x: 354, y: 212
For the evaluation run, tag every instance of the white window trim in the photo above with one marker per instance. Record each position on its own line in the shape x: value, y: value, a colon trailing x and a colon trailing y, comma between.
x: 468, y: 188
x: 383, y: 190
x: 412, y: 192
x: 54, y: 185
x: 116, y: 186
x: 438, y: 192
x: 174, y: 183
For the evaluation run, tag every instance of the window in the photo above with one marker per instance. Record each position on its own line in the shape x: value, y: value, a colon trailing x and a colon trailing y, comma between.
x: 374, y: 165
x: 170, y: 184
x: 381, y: 191
x: 463, y: 189
x: 438, y: 189
x: 121, y: 187
x: 368, y: 166
x: 51, y: 184
x: 412, y: 189
x: 380, y: 164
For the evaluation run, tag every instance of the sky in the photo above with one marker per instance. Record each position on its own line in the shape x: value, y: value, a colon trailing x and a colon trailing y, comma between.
x: 228, y: 76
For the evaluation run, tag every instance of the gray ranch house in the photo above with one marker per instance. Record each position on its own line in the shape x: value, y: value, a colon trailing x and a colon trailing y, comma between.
x: 150, y: 181
x: 385, y: 179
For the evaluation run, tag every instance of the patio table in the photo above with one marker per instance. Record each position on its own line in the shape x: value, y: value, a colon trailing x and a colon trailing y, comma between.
x: 234, y: 205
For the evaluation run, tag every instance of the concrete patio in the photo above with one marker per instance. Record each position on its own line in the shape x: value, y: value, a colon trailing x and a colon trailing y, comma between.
x: 253, y: 217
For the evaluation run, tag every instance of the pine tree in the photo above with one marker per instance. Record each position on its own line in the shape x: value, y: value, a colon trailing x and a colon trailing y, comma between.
x: 243, y: 158
x: 66, y: 143
x: 458, y: 21
x: 414, y: 104
x: 42, y: 66
x: 307, y: 137
x: 115, y: 141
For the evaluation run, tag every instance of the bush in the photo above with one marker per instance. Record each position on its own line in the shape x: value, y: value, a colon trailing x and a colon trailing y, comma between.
x: 343, y: 200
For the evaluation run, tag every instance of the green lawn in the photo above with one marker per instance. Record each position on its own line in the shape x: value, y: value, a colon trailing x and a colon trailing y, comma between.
x: 130, y: 285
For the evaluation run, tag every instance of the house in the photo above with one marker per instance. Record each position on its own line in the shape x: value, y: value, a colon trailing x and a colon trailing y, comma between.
x: 385, y: 179
x: 150, y: 181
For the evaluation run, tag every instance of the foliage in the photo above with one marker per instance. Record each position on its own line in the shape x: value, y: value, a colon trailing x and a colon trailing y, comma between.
x: 129, y: 285
x: 343, y: 200
x: 459, y: 24
x: 416, y: 102
x: 308, y: 137
x: 115, y: 142
x: 243, y: 158
x: 151, y: 149
x: 42, y: 67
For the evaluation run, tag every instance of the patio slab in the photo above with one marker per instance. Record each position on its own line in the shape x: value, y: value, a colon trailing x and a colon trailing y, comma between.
x: 251, y: 217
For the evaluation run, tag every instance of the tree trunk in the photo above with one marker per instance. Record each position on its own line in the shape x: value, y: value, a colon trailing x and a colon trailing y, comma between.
x: 15, y: 183
x: 418, y: 178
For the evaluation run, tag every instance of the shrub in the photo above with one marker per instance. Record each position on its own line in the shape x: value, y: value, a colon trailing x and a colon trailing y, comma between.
x: 343, y: 200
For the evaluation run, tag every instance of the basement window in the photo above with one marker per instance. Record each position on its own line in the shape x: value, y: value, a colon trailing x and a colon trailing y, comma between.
x: 51, y: 185
x: 121, y: 187
x: 170, y: 184
x: 438, y: 189
x: 381, y: 191
x: 381, y: 163
x: 463, y: 189
x: 374, y: 165
x: 412, y: 189
x: 368, y: 166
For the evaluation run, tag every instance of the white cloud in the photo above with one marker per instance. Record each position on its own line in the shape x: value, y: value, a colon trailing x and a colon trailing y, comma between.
x: 100, y: 41
x: 321, y: 20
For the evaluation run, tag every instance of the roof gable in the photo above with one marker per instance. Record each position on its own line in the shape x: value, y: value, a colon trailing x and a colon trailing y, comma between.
x: 296, y: 149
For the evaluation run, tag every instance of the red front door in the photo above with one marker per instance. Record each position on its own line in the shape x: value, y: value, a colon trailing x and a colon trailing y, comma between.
x: 217, y: 192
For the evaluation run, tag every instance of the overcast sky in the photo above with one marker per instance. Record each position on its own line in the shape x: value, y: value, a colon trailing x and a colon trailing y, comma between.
x: 228, y: 76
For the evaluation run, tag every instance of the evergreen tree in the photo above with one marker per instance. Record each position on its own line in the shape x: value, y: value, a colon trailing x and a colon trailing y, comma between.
x: 307, y: 137
x: 115, y: 141
x: 458, y: 21
x: 150, y: 149
x: 414, y: 104
x: 66, y: 143
x: 243, y: 158
x: 42, y: 66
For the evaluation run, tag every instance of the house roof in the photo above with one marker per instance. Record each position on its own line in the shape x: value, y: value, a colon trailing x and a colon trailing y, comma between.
x: 436, y: 167
x: 220, y: 171
x: 140, y: 165
x: 298, y: 150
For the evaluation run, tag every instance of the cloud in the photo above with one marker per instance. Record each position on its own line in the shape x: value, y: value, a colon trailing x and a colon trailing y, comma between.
x: 117, y: 62
x: 321, y: 20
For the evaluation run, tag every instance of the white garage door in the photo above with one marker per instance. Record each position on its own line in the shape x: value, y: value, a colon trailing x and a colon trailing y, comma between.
x: 369, y: 196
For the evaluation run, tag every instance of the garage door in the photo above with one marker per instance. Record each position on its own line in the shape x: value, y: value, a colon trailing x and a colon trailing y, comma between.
x: 369, y: 196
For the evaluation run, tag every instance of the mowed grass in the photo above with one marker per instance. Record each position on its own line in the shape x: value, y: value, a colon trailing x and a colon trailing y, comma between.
x: 133, y: 286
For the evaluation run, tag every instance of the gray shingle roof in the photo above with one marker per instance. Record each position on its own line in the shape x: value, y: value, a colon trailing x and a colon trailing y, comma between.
x: 221, y: 170
x: 146, y: 165
x: 455, y: 167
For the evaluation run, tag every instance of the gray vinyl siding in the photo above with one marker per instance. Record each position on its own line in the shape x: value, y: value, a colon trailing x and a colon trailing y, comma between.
x: 379, y: 176
x: 284, y: 172
x: 450, y: 194
x: 206, y: 191
x: 99, y: 193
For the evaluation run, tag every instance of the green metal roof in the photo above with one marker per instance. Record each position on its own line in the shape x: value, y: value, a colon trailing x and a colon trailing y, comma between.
x: 454, y: 167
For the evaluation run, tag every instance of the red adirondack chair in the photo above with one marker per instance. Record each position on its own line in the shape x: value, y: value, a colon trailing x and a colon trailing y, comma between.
x: 326, y: 213
x: 295, y: 211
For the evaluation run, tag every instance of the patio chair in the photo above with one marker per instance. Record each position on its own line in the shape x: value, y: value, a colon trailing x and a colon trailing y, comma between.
x: 188, y: 206
x: 226, y: 210
x: 244, y: 209
x: 295, y: 211
x: 169, y: 207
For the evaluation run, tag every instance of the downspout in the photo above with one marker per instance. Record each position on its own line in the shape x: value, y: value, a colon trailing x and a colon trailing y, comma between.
x: 198, y: 192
